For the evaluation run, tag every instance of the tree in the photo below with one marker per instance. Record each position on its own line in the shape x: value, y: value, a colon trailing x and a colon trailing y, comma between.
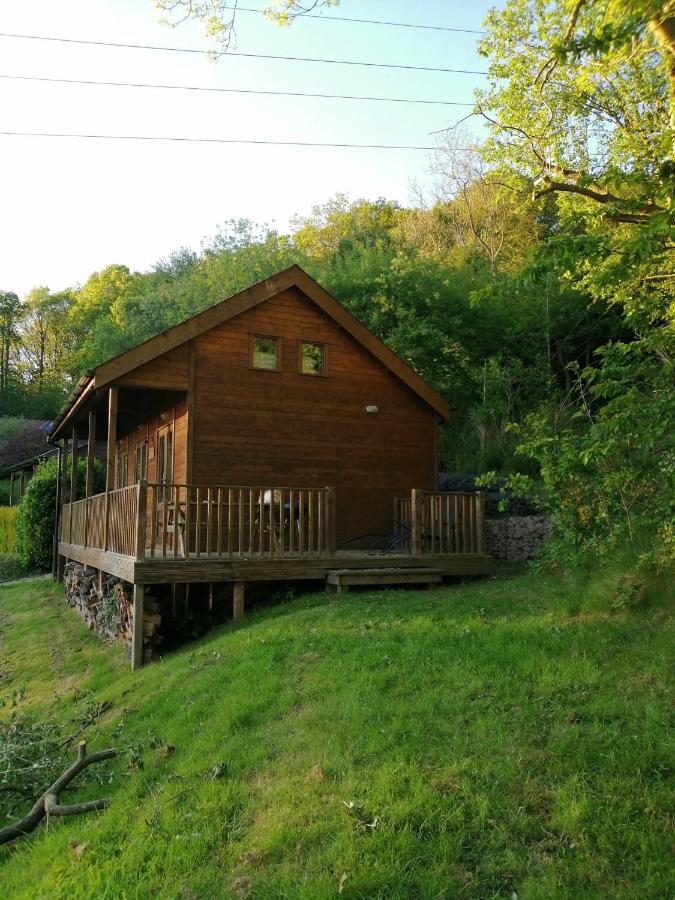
x: 579, y: 100
x: 219, y: 16
x: 46, y: 338
x: 10, y: 311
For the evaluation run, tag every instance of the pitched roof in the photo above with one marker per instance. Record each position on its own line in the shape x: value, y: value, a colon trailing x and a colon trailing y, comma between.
x: 238, y: 303
x: 21, y: 440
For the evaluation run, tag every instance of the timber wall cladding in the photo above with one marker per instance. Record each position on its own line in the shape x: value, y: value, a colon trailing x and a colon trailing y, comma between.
x: 264, y: 427
x: 159, y: 415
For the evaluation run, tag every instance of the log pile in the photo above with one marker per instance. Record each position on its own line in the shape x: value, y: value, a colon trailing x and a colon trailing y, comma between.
x: 108, y: 609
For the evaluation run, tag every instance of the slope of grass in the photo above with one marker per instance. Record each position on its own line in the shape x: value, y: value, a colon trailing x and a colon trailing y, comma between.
x: 470, y: 741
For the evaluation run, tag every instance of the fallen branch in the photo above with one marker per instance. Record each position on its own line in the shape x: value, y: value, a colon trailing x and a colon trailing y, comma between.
x: 48, y: 802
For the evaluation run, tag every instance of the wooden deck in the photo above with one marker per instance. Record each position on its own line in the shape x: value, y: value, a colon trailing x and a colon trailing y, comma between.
x: 200, y: 569
x: 176, y: 533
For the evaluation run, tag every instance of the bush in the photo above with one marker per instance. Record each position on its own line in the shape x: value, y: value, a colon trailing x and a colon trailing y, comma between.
x: 7, y: 530
x: 35, y: 516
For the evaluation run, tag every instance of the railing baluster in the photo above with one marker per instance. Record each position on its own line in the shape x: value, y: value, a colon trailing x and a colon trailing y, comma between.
x: 187, y: 537
x: 164, y: 494
x: 209, y: 523
x: 229, y: 522
x: 251, y: 523
x: 241, y: 523
x: 219, y: 524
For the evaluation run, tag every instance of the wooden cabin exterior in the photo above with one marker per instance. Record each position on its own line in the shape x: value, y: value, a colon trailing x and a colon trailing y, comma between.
x: 253, y: 441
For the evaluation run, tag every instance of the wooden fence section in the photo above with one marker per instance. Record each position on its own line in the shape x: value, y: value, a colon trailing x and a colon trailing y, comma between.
x: 403, y: 522
x: 235, y: 522
x: 442, y: 524
x: 123, y: 506
x: 182, y: 521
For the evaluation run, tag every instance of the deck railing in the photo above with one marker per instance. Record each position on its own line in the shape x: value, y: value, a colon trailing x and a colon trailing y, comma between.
x: 182, y: 521
x: 441, y: 523
x: 187, y: 521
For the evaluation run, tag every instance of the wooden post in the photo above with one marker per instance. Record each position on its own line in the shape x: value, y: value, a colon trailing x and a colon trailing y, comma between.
x: 110, y: 459
x: 64, y: 471
x: 480, y: 522
x: 137, y: 628
x: 112, y: 438
x: 73, y: 464
x: 21, y: 484
x: 416, y: 521
x: 91, y: 444
x: 330, y: 521
x: 238, y: 601
x: 11, y: 488
x: 141, y: 512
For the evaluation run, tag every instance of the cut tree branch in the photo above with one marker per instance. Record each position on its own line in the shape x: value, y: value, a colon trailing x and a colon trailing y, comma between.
x: 48, y: 803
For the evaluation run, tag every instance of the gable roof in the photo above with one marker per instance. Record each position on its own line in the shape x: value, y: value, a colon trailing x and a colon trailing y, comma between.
x: 238, y: 303
x: 22, y: 441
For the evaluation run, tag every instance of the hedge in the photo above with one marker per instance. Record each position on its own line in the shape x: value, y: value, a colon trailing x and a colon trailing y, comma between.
x: 8, y: 530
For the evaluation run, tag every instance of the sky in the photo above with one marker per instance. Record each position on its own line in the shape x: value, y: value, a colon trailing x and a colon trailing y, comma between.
x: 71, y: 207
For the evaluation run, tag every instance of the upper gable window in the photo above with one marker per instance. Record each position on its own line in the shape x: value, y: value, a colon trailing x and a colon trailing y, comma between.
x: 312, y: 358
x: 265, y: 352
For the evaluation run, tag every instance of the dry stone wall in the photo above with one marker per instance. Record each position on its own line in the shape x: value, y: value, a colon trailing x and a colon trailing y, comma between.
x: 516, y: 538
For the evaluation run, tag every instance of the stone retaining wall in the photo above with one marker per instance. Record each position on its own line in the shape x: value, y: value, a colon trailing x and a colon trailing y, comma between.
x: 516, y: 538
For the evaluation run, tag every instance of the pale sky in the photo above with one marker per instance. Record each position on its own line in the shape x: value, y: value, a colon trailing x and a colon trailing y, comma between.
x: 71, y: 207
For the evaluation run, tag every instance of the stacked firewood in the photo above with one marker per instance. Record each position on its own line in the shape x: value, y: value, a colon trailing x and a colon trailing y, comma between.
x: 108, y: 610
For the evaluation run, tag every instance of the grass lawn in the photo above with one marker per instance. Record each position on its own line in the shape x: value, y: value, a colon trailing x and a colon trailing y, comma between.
x: 477, y: 740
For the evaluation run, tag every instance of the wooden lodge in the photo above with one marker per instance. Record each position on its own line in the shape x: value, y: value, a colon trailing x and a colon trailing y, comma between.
x: 270, y: 437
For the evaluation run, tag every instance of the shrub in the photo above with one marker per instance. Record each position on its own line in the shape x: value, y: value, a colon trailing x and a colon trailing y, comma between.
x: 7, y: 530
x: 35, y: 517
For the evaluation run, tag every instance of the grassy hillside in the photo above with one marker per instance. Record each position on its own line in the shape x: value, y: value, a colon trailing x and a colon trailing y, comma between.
x: 470, y: 741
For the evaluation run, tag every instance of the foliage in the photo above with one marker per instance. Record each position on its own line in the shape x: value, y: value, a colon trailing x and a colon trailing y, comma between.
x: 35, y: 519
x: 608, y: 462
x: 219, y: 16
x: 31, y: 758
x: 7, y: 530
x: 562, y: 756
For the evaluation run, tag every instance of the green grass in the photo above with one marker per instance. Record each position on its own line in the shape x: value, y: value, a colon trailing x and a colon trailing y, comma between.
x: 500, y: 744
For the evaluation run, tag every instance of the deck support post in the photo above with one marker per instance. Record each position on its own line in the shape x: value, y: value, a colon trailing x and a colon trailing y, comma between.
x: 11, y: 488
x: 110, y: 459
x: 330, y: 521
x: 141, y: 512
x: 238, y: 600
x: 22, y: 475
x: 137, y: 628
x: 73, y: 463
x: 91, y: 444
x: 416, y: 516
x: 112, y: 439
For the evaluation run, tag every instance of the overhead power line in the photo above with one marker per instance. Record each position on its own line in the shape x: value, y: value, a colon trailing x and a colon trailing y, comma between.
x: 306, y: 59
x: 223, y: 90
x: 206, y: 140
x: 331, y: 18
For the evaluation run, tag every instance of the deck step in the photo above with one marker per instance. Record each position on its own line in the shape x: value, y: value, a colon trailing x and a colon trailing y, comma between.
x: 345, y: 578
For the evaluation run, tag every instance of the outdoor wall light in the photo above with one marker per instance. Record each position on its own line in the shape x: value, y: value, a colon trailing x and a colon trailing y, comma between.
x: 372, y: 409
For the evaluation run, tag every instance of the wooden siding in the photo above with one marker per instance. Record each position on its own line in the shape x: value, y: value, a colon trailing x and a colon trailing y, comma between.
x: 169, y: 371
x: 160, y: 414
x: 255, y: 426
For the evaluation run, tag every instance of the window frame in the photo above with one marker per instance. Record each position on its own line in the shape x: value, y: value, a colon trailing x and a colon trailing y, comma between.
x: 324, y: 369
x: 142, y: 447
x: 121, y: 468
x: 266, y: 337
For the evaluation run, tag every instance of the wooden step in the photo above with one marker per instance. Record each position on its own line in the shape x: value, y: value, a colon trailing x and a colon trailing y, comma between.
x: 344, y: 578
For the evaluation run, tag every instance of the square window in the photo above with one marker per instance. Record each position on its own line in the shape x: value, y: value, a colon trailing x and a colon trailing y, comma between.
x: 265, y: 352
x: 312, y: 358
